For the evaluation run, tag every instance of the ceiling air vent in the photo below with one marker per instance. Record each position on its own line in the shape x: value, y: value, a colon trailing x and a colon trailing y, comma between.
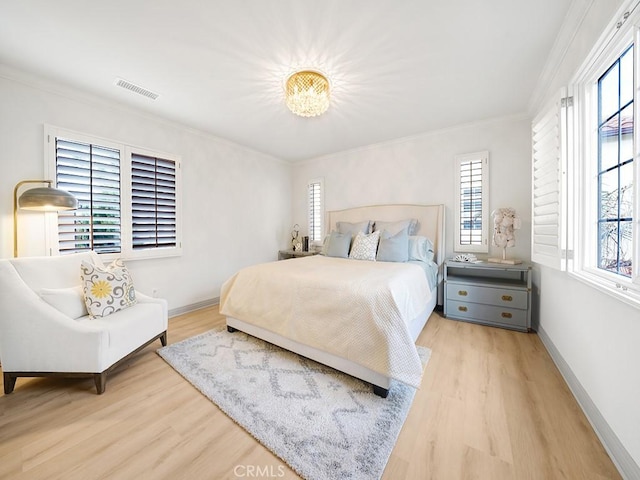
x: 136, y: 88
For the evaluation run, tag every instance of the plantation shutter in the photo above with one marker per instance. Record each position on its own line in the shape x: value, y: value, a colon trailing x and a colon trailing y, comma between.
x: 92, y: 174
x: 549, y: 183
x: 153, y: 202
x: 471, y: 202
x: 314, y: 190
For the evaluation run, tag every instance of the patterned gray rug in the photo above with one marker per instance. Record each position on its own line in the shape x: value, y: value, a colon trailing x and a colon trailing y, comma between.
x: 322, y: 423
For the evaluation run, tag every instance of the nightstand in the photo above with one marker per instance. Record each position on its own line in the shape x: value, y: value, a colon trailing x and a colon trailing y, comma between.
x: 285, y: 254
x: 488, y: 293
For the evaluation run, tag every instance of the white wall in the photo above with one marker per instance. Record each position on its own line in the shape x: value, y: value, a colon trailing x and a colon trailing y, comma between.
x: 420, y: 169
x: 236, y: 202
x: 596, y: 335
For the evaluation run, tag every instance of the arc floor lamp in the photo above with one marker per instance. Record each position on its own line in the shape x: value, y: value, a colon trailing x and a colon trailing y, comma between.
x: 45, y: 199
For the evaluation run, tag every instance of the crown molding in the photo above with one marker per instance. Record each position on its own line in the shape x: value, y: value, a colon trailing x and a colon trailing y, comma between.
x: 570, y: 26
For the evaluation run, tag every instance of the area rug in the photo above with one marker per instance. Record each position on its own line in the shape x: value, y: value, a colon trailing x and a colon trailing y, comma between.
x: 324, y: 424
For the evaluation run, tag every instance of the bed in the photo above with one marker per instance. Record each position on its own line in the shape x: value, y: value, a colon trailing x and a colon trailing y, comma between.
x: 359, y: 317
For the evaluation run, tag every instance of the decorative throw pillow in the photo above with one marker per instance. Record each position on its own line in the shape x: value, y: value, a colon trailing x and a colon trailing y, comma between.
x: 365, y: 246
x: 393, y: 248
x: 69, y: 301
x: 337, y: 245
x: 107, y: 289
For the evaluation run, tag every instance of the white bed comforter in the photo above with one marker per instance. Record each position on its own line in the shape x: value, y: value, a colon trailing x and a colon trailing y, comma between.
x: 358, y: 310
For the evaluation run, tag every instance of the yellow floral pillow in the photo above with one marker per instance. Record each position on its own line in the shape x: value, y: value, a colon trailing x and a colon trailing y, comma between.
x: 107, y: 289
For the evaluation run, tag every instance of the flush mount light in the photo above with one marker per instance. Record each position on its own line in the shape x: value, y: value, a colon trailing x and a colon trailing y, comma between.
x: 307, y: 93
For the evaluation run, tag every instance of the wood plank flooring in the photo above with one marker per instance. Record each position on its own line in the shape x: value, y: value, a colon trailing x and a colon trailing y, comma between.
x: 492, y: 406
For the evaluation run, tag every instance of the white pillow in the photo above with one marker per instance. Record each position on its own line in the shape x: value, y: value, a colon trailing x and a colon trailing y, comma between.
x: 365, y: 246
x: 106, y: 289
x: 420, y: 248
x: 69, y: 301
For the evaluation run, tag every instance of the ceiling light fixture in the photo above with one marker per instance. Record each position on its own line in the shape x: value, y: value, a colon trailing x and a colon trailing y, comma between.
x: 307, y: 93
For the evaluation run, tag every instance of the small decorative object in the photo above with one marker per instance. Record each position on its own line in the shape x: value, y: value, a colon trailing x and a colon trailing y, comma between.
x: 305, y: 243
x: 466, y: 257
x: 505, y: 221
x: 295, y: 240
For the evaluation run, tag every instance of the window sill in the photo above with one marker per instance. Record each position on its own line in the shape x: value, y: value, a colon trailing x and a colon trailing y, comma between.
x: 151, y: 254
x: 628, y: 295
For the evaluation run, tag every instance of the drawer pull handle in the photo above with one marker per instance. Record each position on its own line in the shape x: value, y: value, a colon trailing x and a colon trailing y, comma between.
x: 462, y: 309
x: 507, y: 298
x: 506, y: 315
x: 462, y: 293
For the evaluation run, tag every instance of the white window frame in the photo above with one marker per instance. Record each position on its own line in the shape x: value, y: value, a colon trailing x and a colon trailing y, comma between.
x: 624, y: 31
x: 482, y: 247
x: 126, y: 247
x: 313, y: 181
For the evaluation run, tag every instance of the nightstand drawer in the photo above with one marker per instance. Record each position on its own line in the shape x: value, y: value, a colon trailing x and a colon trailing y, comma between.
x: 506, y: 297
x: 508, y: 317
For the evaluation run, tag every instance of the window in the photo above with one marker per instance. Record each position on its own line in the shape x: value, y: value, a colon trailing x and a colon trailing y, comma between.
x: 315, y: 194
x: 615, y: 167
x: 472, y: 202
x: 593, y: 138
x: 92, y: 174
x: 128, y: 198
x: 153, y: 202
x: 606, y: 177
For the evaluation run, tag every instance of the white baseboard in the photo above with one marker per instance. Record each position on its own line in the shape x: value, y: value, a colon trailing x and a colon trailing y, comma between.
x: 625, y: 464
x: 174, y: 312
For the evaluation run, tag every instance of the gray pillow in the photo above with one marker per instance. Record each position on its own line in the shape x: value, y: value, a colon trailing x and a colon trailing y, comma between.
x: 394, y: 227
x: 393, y: 248
x: 354, y: 228
x: 338, y: 245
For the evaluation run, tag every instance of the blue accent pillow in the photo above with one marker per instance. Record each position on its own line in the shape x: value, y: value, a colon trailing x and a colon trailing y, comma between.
x: 394, y: 248
x: 338, y: 245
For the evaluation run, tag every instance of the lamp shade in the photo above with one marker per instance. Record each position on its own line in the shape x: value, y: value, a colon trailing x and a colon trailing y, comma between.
x: 47, y: 199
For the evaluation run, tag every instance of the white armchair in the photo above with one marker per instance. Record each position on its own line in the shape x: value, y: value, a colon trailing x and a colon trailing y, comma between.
x: 37, y: 339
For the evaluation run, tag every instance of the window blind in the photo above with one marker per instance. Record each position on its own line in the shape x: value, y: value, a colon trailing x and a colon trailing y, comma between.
x: 549, y: 157
x: 153, y: 202
x: 92, y: 174
x: 471, y: 202
x: 315, y: 210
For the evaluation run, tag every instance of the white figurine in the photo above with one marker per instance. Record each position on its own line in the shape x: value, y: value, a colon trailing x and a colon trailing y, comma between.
x: 505, y: 221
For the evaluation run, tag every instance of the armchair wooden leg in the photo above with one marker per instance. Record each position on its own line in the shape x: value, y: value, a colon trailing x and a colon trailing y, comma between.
x: 9, y: 382
x: 163, y: 339
x: 101, y: 382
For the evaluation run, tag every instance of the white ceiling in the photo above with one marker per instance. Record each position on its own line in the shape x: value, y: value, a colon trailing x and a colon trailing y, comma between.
x: 398, y: 67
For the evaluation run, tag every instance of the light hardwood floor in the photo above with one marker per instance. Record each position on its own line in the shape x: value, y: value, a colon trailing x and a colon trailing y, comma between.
x: 492, y: 406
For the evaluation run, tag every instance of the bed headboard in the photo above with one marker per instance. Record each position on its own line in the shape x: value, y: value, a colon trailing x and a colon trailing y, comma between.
x: 430, y: 220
